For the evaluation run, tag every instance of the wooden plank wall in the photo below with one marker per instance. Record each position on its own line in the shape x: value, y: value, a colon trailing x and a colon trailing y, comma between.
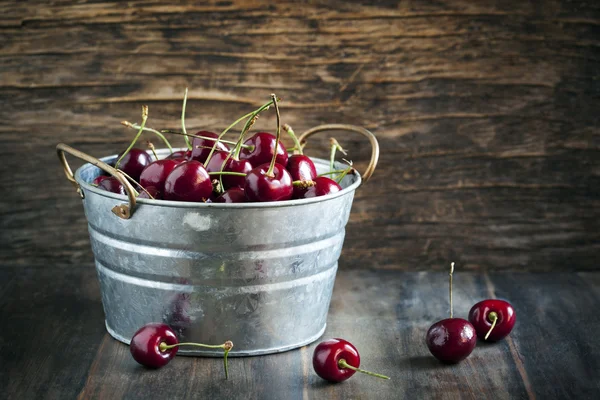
x: 487, y: 113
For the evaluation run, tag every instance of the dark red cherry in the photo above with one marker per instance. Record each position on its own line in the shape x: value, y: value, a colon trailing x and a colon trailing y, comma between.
x: 261, y: 187
x: 262, y: 148
x: 233, y: 195
x: 189, y: 181
x: 111, y: 184
x: 301, y: 168
x: 201, y: 147
x: 134, y: 162
x: 323, y: 186
x: 327, y: 356
x: 99, y: 179
x: 336, y: 360
x: 145, y: 345
x: 451, y: 340
x: 156, y: 173
x: 183, y: 154
x: 483, y: 314
x: 232, y: 165
x: 153, y: 191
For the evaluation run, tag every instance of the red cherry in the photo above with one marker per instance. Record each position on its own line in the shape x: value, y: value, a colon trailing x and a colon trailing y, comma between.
x: 145, y: 345
x: 261, y: 187
x: 183, y: 154
x: 189, y: 181
x: 154, y: 192
x: 111, y: 184
x: 261, y: 148
x: 483, y: 315
x: 156, y: 173
x: 323, y: 186
x: 134, y: 162
x: 301, y: 168
x: 99, y: 179
x: 233, y: 195
x: 232, y: 165
x: 201, y: 147
x: 336, y: 360
x: 451, y: 340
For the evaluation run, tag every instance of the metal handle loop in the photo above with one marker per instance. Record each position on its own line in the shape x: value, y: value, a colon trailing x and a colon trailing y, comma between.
x: 345, y: 127
x: 123, y: 210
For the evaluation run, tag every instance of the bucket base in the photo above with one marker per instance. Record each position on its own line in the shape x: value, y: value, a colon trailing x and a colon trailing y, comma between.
x: 232, y: 353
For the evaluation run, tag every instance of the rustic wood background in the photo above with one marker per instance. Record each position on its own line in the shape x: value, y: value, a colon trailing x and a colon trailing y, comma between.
x: 487, y: 113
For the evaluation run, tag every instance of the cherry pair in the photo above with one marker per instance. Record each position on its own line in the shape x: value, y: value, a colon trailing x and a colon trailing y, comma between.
x: 452, y: 340
x: 155, y: 344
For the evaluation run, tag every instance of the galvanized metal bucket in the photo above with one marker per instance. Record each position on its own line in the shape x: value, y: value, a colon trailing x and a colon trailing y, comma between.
x: 258, y: 274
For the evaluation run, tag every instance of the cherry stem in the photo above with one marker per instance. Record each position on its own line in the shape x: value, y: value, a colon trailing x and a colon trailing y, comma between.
x: 202, y: 137
x: 227, y: 173
x: 343, y: 174
x: 334, y: 147
x: 187, y: 139
x: 157, y: 133
x: 451, y: 306
x: 492, y: 316
x: 223, y: 134
x: 277, y: 135
x: 153, y: 149
x: 137, y: 136
x: 303, y: 184
x: 227, y: 346
x: 343, y: 364
x: 297, y: 146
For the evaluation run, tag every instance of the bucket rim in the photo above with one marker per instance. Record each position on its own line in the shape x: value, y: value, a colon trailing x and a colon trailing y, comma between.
x: 187, y: 204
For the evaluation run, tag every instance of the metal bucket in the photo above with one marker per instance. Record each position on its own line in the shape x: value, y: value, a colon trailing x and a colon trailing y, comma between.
x: 258, y: 274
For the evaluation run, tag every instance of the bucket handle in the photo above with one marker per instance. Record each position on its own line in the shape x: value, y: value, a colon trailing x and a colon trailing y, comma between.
x: 120, y: 210
x: 345, y: 127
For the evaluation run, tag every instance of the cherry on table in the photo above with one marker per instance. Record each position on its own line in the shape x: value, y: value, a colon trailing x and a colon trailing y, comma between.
x: 146, y: 344
x: 188, y: 181
x: 233, y: 195
x: 111, y: 184
x: 155, y: 344
x: 134, y: 162
x: 201, y: 147
x: 336, y: 360
x: 453, y: 339
x: 155, y: 174
x: 493, y: 319
x: 232, y: 165
x: 260, y: 149
x: 320, y: 186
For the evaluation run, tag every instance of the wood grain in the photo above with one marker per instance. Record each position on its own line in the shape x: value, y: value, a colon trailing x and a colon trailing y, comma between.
x: 53, y: 343
x: 486, y: 113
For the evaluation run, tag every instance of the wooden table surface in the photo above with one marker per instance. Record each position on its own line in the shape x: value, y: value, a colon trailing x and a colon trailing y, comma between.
x: 54, y: 344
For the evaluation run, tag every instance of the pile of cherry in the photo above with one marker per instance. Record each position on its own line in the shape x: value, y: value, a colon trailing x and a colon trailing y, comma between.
x: 256, y: 169
x: 450, y: 341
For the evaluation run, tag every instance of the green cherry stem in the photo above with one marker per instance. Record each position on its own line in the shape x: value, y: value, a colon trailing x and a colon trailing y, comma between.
x: 334, y: 147
x: 137, y: 136
x: 343, y: 364
x: 227, y: 173
x: 146, y: 129
x: 240, y: 119
x: 227, y: 346
x: 492, y: 316
x: 451, y: 307
x: 153, y: 150
x: 277, y: 135
x: 303, y: 184
x: 192, y: 135
x: 187, y: 139
x: 297, y: 145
